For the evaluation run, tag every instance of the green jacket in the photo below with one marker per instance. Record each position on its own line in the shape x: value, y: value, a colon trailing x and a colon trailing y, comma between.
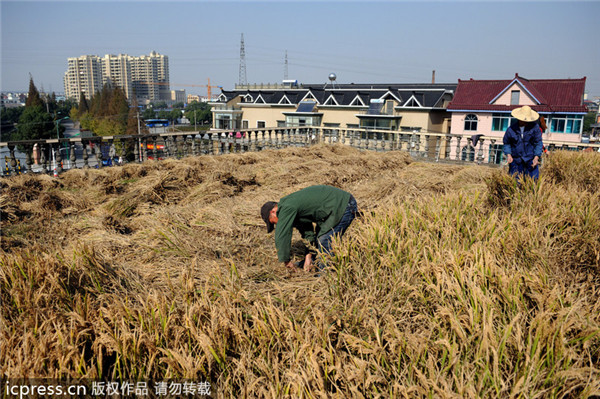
x: 323, y: 205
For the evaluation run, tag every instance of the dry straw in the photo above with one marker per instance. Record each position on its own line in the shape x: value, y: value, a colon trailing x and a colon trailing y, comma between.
x: 456, y: 282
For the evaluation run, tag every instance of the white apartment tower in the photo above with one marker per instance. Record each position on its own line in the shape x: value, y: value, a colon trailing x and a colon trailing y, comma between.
x: 146, y: 77
x: 84, y: 75
x: 116, y: 70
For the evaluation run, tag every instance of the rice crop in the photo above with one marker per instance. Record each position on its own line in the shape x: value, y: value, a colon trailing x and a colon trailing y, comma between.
x: 456, y: 281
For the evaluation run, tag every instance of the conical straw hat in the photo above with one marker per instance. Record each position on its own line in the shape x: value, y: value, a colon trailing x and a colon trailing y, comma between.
x: 525, y: 114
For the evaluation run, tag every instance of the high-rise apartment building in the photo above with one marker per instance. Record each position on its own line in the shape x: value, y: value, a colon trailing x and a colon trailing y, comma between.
x: 84, y: 75
x: 145, y: 77
x: 116, y: 70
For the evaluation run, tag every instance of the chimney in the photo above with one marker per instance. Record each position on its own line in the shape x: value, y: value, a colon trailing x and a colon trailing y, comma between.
x: 433, y: 77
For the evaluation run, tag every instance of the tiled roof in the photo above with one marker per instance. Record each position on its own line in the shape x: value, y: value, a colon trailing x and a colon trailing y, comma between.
x: 429, y: 95
x: 552, y: 95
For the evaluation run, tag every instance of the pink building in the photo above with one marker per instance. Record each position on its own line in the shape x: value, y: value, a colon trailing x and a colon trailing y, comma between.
x: 481, y: 110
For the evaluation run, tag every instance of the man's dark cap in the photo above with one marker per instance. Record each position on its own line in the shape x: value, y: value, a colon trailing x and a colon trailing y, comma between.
x: 264, y: 212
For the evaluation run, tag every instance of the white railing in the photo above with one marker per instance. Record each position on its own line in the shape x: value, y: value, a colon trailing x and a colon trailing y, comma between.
x: 56, y: 155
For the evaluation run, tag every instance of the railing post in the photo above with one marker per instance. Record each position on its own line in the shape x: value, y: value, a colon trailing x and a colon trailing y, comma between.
x: 85, y: 156
x: 216, y: 143
x: 112, y: 151
x: 269, y: 139
x: 480, y: 152
x: 447, y: 146
x: 13, y: 160
x: 194, y: 146
x: 279, y: 135
x: 185, y: 146
x: 469, y: 146
x: 154, y: 148
x: 136, y: 149
x: 413, y: 145
x: 29, y: 158
x: 176, y: 147
x: 169, y: 146
x: 458, y: 139
x: 387, y: 145
x: 225, y: 143
x: 98, y: 153
x: 145, y: 148
x: 438, y: 143
x: 59, y: 168
x: 123, y: 151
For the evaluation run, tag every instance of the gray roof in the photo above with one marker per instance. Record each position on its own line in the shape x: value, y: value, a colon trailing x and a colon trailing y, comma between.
x: 427, y: 95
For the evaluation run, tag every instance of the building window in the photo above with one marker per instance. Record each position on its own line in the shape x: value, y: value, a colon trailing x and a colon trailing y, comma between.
x: 514, y: 97
x: 297, y: 120
x: 379, y: 124
x: 260, y: 124
x: 501, y: 122
x: 244, y: 124
x: 471, y: 122
x: 565, y: 124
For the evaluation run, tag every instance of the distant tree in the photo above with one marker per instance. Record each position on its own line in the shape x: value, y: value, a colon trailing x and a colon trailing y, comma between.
x: 159, y: 105
x: 132, y: 120
x: 179, y: 105
x: 588, y: 120
x: 9, y: 117
x: 35, y: 123
x: 51, y: 103
x: 164, y: 115
x: 149, y: 113
x: 33, y: 97
x: 83, y: 104
x: 118, y: 108
x: 175, y: 115
x: 200, y: 111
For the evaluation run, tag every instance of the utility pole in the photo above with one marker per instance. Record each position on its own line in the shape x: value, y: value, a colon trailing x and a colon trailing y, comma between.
x: 139, y: 134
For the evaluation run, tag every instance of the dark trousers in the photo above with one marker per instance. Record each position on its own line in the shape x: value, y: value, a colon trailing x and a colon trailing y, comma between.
x: 340, y: 228
x: 521, y: 168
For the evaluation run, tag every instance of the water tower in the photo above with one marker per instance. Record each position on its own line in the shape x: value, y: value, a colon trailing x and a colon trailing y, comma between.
x: 332, y: 78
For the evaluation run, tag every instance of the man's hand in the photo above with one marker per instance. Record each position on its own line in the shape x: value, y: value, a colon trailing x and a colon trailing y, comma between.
x: 509, y: 158
x: 536, y: 160
x: 290, y: 265
x: 308, y: 265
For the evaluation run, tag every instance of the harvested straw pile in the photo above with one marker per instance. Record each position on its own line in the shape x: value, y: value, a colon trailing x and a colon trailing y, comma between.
x: 457, y: 283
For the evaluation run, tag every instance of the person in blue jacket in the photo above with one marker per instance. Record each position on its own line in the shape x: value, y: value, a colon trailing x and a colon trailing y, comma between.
x: 523, y: 143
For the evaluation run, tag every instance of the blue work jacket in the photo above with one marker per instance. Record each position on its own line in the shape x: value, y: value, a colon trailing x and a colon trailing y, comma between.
x: 526, y: 148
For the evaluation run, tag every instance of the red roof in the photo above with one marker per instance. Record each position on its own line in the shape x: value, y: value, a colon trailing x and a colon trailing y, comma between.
x: 552, y: 95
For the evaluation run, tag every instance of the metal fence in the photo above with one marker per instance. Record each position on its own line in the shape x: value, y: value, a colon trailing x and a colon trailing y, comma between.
x: 56, y: 155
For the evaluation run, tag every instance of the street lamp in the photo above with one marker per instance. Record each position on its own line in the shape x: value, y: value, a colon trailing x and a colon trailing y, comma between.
x: 58, y: 120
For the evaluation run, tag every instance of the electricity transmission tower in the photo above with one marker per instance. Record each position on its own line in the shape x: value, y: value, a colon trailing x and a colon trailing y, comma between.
x: 285, y: 70
x: 243, y: 80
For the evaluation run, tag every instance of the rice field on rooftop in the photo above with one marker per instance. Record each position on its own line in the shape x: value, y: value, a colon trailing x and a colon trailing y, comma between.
x: 455, y: 282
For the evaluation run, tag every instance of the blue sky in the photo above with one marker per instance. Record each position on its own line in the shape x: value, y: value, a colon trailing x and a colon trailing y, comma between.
x: 362, y: 42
